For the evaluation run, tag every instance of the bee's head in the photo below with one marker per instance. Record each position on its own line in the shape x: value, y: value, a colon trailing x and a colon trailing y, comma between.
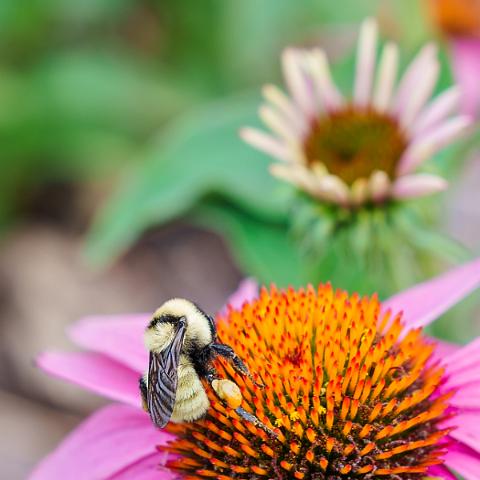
x: 170, y: 316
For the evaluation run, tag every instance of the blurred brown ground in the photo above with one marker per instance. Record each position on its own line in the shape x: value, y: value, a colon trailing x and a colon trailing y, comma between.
x: 45, y: 285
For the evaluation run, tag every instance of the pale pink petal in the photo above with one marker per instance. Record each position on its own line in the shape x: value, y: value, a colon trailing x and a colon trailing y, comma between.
x: 413, y: 75
x: 111, y: 441
x: 265, y: 142
x: 417, y: 185
x: 117, y: 336
x: 419, y: 96
x: 386, y: 76
x: 293, y: 63
x: 277, y: 123
x: 439, y: 109
x: 367, y: 50
x: 466, y: 67
x: 463, y: 460
x: 424, y: 146
x: 328, y: 94
x: 94, y: 372
x: 439, y: 471
x: 286, y: 107
x: 379, y: 185
x: 425, y: 302
x: 246, y: 292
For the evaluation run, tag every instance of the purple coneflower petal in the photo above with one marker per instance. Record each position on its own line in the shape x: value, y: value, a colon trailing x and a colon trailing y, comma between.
x: 112, y: 335
x: 94, y: 372
x: 426, y: 145
x: 466, y: 66
x: 417, y: 185
x: 441, y: 472
x: 246, y: 292
x: 367, y: 46
x: 467, y: 429
x: 110, y: 443
x: 426, y: 301
x: 463, y: 460
x: 386, y: 77
x: 265, y: 142
x: 444, y: 349
x: 439, y: 109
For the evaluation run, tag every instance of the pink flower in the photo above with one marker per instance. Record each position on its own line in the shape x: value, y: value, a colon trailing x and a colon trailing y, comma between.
x: 367, y: 148
x: 119, y: 441
x: 466, y: 68
x: 459, y: 21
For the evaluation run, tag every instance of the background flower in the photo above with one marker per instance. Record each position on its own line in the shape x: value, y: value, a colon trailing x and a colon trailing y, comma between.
x: 111, y: 368
x: 364, y: 149
x: 459, y: 21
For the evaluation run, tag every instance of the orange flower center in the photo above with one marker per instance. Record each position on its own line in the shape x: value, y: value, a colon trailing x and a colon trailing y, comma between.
x: 456, y: 17
x: 354, y: 143
x: 349, y: 393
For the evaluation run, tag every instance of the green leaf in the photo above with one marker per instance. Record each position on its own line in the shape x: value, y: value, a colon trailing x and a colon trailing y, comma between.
x: 262, y: 249
x: 200, y: 154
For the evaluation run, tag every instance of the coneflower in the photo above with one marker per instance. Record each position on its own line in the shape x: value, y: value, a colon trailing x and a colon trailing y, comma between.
x: 350, y: 386
x: 364, y: 148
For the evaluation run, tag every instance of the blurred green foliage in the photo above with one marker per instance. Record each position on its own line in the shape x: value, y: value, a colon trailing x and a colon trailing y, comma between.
x: 84, y: 84
x: 149, y: 96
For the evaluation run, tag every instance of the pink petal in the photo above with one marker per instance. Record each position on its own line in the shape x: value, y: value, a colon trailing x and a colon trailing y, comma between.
x: 148, y: 468
x: 114, y: 440
x: 466, y: 67
x: 431, y: 141
x: 440, y: 108
x: 444, y: 349
x: 265, y: 142
x: 465, y: 360
x: 464, y: 461
x: 95, y: 372
x: 425, y: 302
x: 468, y: 429
x: 441, y: 472
x: 417, y: 185
x: 367, y: 46
x: 246, y: 292
x: 413, y: 75
x: 118, y: 336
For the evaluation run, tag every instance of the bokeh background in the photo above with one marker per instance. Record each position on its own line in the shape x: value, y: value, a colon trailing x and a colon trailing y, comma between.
x: 99, y: 101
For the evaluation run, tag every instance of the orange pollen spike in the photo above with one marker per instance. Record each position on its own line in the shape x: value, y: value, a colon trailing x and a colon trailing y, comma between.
x: 336, y: 390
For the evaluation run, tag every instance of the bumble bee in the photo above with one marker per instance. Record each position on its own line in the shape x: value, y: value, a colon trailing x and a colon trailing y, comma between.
x: 182, y: 341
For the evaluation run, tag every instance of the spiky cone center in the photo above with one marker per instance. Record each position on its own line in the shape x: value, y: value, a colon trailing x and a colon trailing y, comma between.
x: 349, y: 393
x: 353, y: 143
x: 456, y: 17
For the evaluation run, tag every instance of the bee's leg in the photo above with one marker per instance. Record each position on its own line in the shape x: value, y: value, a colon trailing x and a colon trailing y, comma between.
x: 211, y: 375
x: 255, y: 421
x: 227, y: 352
x: 143, y: 393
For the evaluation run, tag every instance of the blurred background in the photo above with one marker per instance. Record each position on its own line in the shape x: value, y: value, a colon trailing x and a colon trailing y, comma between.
x: 106, y: 103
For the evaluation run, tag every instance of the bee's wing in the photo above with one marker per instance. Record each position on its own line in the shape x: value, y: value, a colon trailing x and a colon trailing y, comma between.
x: 163, y: 379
